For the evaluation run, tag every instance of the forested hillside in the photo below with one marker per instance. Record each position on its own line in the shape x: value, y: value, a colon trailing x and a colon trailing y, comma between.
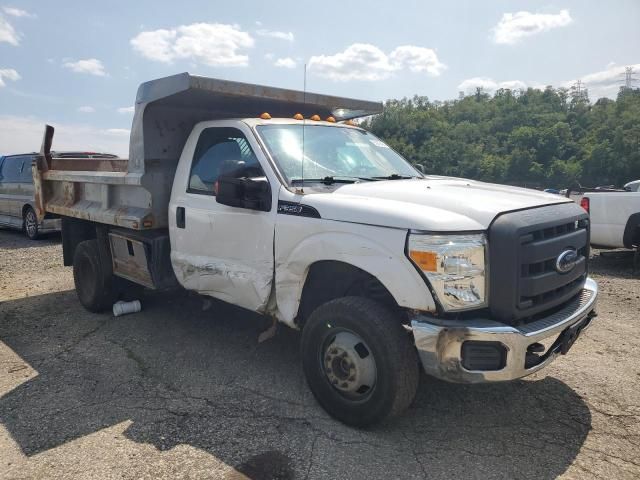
x: 550, y: 138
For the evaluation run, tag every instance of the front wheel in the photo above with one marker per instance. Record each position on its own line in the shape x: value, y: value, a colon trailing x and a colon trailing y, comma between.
x: 30, y: 223
x: 360, y: 363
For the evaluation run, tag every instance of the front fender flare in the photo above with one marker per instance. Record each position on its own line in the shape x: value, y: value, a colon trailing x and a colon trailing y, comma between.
x: 391, y: 268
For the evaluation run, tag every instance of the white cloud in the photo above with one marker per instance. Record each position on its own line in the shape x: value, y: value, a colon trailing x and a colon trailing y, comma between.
x: 604, y: 83
x: 8, y: 74
x: 16, y: 12
x: 360, y: 61
x: 363, y: 61
x: 489, y: 85
x: 286, y: 62
x: 8, y: 33
x: 24, y: 134
x: 513, y: 27
x: 612, y: 75
x: 513, y: 85
x: 91, y: 66
x: 288, y: 36
x: 126, y: 110
x: 86, y: 109
x: 214, y: 44
x: 118, y: 132
x: 418, y: 59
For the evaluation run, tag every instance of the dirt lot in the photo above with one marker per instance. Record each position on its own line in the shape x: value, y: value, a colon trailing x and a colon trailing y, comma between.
x: 179, y: 392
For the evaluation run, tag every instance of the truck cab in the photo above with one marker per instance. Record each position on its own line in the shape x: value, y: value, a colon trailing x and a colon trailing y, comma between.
x: 274, y: 201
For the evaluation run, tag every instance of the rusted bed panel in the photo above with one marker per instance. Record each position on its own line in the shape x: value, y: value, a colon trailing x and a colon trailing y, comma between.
x: 90, y: 164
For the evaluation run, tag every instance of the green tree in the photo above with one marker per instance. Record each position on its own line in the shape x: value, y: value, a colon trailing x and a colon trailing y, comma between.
x: 546, y: 138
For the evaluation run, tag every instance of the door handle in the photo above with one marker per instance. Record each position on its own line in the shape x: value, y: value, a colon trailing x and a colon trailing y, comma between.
x: 180, y: 220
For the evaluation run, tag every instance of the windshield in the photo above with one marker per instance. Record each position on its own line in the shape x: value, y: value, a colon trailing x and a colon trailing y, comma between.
x: 332, y: 152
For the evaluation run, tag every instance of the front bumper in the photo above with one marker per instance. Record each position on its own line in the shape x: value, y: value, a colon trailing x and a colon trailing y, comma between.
x: 440, y: 342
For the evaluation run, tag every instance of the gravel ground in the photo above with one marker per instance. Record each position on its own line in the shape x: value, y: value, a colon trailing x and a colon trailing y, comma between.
x: 180, y: 392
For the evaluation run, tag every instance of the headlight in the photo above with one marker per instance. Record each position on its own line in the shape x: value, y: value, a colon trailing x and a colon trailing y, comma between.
x: 455, y: 267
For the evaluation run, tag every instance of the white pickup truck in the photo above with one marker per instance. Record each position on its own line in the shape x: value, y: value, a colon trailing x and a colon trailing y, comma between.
x: 615, y: 218
x: 273, y: 200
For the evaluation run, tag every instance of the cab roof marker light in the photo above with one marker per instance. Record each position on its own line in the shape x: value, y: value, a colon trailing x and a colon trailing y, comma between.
x: 331, y: 119
x: 265, y: 116
x: 298, y: 116
x: 315, y: 118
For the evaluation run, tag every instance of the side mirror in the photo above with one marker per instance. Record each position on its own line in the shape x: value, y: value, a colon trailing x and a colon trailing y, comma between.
x: 419, y: 167
x: 251, y: 193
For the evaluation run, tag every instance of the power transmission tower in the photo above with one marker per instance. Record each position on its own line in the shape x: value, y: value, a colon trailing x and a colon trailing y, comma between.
x: 579, y: 91
x: 629, y: 79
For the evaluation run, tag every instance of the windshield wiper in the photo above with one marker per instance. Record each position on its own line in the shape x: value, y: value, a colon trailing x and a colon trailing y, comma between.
x: 394, y: 176
x: 329, y: 180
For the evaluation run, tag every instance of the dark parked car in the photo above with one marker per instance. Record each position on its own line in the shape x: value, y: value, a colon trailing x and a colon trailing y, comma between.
x: 17, y: 194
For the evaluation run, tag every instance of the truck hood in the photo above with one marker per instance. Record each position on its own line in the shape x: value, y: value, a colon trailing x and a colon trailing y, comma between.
x: 433, y: 203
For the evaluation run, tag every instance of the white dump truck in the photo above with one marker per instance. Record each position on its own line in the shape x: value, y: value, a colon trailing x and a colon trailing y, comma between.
x: 273, y: 200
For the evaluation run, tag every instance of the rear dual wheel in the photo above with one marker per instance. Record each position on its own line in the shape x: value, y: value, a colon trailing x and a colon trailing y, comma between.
x: 93, y: 277
x: 96, y: 285
x: 359, y: 361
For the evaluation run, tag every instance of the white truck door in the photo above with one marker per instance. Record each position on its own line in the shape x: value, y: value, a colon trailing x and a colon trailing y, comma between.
x: 217, y: 250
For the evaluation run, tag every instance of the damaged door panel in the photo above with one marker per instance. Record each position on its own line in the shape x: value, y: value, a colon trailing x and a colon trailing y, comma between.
x: 219, y: 250
x: 245, y: 285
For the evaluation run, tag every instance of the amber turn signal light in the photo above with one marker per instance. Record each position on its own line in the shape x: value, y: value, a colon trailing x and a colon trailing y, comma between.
x: 426, y: 261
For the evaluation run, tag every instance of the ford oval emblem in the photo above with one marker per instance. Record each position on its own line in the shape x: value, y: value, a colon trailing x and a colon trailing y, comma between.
x: 566, y: 261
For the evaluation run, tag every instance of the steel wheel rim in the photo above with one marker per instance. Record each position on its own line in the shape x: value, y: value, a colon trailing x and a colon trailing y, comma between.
x: 348, y: 365
x: 31, y: 224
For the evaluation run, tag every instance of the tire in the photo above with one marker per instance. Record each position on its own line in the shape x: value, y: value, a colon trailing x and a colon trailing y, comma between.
x: 331, y: 336
x: 93, y: 277
x: 30, y: 224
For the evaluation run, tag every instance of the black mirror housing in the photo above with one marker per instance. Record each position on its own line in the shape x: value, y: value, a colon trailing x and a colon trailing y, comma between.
x: 251, y: 193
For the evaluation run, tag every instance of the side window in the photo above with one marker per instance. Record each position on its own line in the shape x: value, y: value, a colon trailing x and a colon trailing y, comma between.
x: 26, y: 175
x: 11, y: 169
x: 221, y: 152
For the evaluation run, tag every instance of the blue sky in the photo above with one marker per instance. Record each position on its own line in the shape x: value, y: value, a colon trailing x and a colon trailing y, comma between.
x: 77, y: 64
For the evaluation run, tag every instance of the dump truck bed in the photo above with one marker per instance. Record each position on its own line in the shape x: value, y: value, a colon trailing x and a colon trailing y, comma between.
x: 134, y: 192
